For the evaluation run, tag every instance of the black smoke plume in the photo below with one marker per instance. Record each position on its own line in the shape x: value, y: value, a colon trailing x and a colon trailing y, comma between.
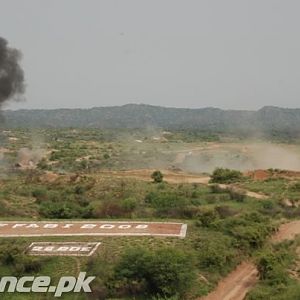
x: 11, y: 74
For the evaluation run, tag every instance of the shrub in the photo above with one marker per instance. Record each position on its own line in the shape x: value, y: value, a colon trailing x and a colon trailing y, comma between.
x: 129, y: 204
x: 215, y: 252
x: 157, y: 176
x: 109, y: 209
x: 272, y: 265
x: 237, y: 194
x: 166, y: 203
x: 164, y: 272
x: 60, y: 210
x: 295, y: 187
x: 225, y: 211
x: 39, y: 193
x: 221, y: 175
x: 208, y: 217
x: 216, y: 189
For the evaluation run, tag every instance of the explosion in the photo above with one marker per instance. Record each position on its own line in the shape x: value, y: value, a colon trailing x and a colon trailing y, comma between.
x: 11, y: 74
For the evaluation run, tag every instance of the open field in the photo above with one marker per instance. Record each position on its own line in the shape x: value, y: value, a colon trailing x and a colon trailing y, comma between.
x: 73, y: 177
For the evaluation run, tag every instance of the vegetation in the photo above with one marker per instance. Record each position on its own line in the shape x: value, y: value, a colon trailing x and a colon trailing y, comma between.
x: 272, y: 122
x: 221, y: 175
x: 276, y: 264
x: 157, y: 176
x: 79, y: 176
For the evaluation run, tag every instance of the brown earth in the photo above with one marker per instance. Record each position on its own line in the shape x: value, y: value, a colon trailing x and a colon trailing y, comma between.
x: 169, y: 176
x: 259, y: 174
x: 287, y: 231
x: 266, y: 174
x: 236, y: 285
x: 48, y: 177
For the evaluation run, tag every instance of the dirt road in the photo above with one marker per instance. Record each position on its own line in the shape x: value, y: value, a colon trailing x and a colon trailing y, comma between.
x: 248, y: 193
x: 169, y: 176
x: 287, y: 231
x: 237, y: 284
x: 173, y: 177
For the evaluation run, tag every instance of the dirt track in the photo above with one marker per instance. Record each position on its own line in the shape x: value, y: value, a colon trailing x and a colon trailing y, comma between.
x: 172, y: 177
x: 287, y: 231
x: 237, y: 284
x: 248, y: 193
x: 169, y: 176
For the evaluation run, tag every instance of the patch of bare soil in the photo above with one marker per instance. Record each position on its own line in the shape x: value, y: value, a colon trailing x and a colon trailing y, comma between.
x: 48, y: 177
x: 169, y: 176
x: 236, y: 285
x: 259, y: 174
x: 266, y: 174
x: 287, y: 231
x: 248, y: 193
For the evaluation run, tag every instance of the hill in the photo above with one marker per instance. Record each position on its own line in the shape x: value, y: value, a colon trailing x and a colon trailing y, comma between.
x: 268, y: 120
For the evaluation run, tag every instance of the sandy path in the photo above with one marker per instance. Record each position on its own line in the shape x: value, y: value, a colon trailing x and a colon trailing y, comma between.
x: 237, y: 284
x: 287, y: 231
x: 248, y: 193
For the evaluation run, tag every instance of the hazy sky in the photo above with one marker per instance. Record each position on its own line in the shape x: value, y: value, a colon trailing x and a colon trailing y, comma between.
x: 223, y: 53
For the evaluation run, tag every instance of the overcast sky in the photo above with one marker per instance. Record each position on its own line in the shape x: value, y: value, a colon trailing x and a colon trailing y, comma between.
x: 232, y: 54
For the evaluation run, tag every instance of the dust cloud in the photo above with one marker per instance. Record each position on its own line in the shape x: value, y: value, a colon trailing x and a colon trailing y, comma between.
x: 244, y: 157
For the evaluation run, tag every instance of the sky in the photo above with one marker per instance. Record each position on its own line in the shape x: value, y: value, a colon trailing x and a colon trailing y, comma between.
x: 233, y: 54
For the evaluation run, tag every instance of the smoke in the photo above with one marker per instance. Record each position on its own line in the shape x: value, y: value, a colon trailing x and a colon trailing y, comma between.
x: 28, y: 158
x: 243, y: 157
x: 11, y: 74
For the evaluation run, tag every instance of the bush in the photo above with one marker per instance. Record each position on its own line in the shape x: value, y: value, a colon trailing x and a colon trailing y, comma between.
x: 216, y: 189
x: 109, y: 209
x: 221, y: 175
x: 250, y: 230
x: 39, y: 193
x: 129, y: 204
x: 164, y: 272
x: 237, y: 194
x: 215, y: 252
x: 166, y: 203
x: 208, y: 217
x: 273, y: 263
x: 295, y: 187
x: 60, y: 210
x: 157, y: 176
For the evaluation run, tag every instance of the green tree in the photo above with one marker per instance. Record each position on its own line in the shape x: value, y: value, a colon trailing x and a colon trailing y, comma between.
x: 221, y: 175
x: 157, y: 176
x: 166, y: 272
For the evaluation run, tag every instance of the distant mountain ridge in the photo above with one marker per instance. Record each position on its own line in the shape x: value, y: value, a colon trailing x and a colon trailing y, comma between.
x: 266, y: 120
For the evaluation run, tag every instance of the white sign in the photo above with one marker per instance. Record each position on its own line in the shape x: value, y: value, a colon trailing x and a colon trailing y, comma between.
x: 62, y: 249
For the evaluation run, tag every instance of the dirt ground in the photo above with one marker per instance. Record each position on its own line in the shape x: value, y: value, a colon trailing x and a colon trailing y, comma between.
x: 169, y: 176
x: 172, y: 177
x: 237, y: 284
x: 287, y: 231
